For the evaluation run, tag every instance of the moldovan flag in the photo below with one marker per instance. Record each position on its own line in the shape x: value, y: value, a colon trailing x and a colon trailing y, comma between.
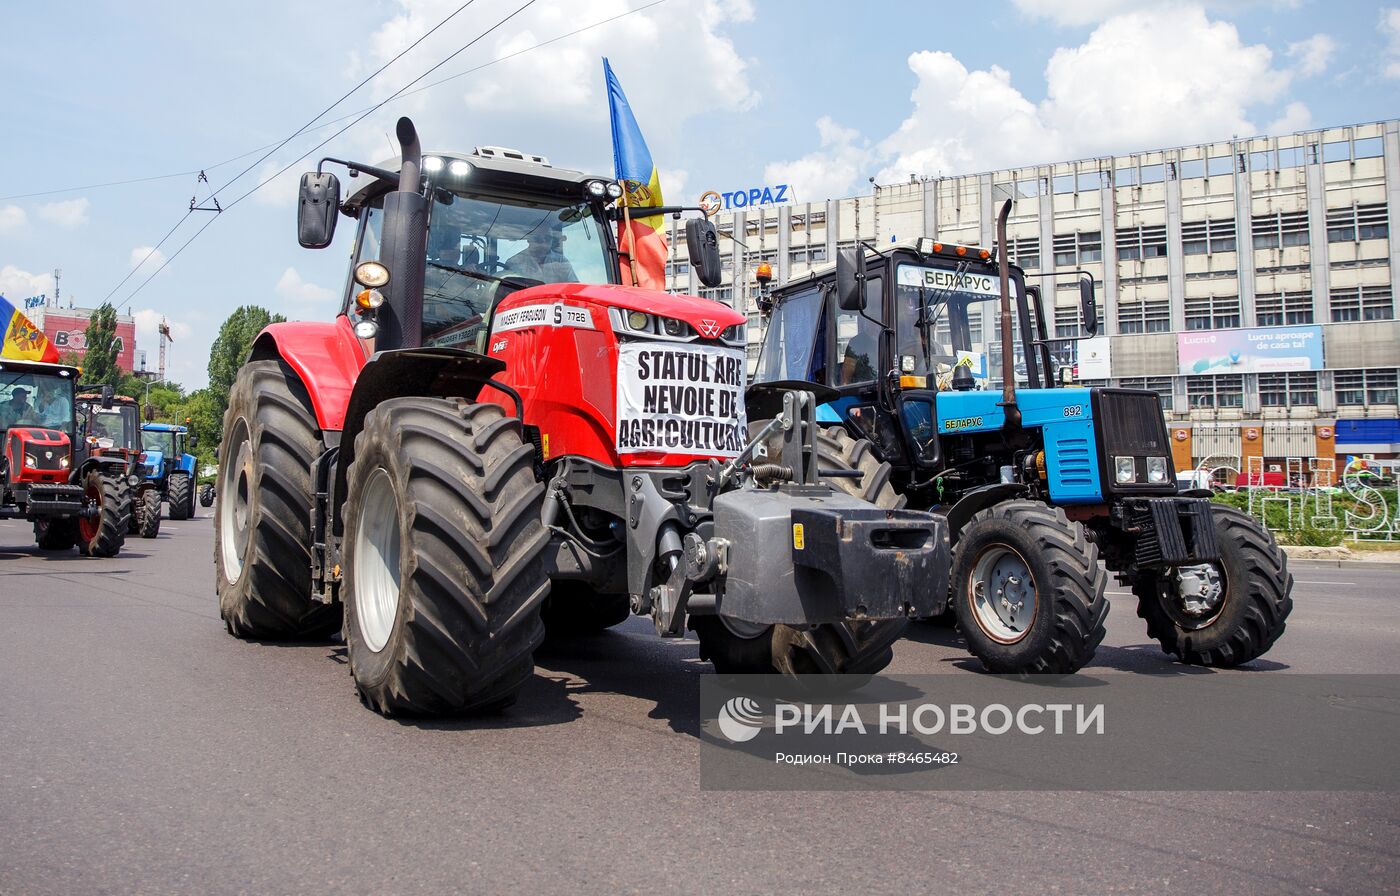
x: 640, y: 240
x: 22, y: 341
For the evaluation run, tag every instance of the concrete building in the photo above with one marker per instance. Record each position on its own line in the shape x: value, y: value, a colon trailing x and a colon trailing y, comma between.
x: 1287, y: 233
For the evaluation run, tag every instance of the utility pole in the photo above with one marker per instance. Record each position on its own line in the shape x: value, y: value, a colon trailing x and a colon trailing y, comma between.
x: 57, y: 275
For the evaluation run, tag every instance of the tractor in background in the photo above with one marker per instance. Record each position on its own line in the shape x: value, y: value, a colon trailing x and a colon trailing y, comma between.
x: 169, y: 466
x: 495, y: 437
x: 72, y: 498
x: 109, y: 430
x: 933, y: 366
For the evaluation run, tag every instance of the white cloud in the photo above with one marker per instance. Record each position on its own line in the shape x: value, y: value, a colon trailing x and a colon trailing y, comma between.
x: 294, y: 289
x: 12, y: 219
x: 1192, y: 79
x: 1089, y: 12
x: 67, y: 214
x: 281, y: 191
x: 1295, y: 117
x: 17, y: 285
x: 1313, y: 55
x: 148, y: 258
x: 1390, y: 28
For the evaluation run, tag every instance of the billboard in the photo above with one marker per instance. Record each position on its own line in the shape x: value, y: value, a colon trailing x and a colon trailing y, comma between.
x: 66, y: 330
x: 1255, y: 350
x: 1094, y: 358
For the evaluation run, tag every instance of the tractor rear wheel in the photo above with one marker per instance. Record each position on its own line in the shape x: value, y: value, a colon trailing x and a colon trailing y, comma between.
x: 56, y: 534
x: 1028, y: 589
x: 148, y: 513
x: 1225, y: 613
x: 444, y: 558
x: 104, y: 534
x: 180, y: 494
x: 573, y: 608
x: 262, y: 531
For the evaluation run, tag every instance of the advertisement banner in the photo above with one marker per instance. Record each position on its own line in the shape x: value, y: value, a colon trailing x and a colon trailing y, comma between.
x: 1094, y: 358
x: 680, y: 399
x: 1257, y: 350
x: 68, y: 332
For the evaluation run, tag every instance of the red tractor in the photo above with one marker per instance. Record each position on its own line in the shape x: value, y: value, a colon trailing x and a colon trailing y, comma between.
x: 109, y: 429
x: 495, y: 437
x: 72, y: 499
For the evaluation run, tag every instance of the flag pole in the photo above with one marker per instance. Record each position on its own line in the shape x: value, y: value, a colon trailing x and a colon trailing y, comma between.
x: 631, y: 237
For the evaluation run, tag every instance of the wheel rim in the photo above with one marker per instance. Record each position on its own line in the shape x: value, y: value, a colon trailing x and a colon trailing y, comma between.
x: 89, y: 524
x: 1194, y: 596
x: 235, y: 482
x: 1003, y: 594
x: 375, y: 563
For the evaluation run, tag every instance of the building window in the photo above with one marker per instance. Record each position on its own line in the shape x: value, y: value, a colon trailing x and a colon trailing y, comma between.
x: 1362, y: 387
x: 807, y: 255
x: 1025, y: 252
x: 1147, y: 316
x: 1225, y: 391
x: 1073, y: 249
x: 1067, y: 322
x: 1213, y: 313
x: 1294, y: 389
x: 1203, y: 237
x: 723, y: 294
x: 1162, y: 385
x: 1357, y: 222
x: 1283, y: 309
x: 1280, y: 229
x: 1137, y: 243
x: 1362, y: 303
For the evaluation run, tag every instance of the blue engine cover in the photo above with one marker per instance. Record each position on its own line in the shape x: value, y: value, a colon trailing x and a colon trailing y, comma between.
x: 1066, y: 420
x: 155, y: 463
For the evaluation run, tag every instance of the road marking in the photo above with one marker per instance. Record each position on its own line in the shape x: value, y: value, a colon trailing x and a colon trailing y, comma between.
x: 1306, y: 582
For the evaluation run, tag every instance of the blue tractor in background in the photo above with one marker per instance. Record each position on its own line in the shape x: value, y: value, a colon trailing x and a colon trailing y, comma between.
x: 933, y: 365
x: 169, y: 466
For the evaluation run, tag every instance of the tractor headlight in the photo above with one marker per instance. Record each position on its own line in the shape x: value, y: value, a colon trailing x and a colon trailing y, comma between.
x: 597, y: 188
x: 371, y: 274
x: 1124, y: 469
x: 637, y: 320
x: 133, y: 480
x: 614, y: 190
x: 1157, y: 470
x: 673, y: 327
x: 459, y: 168
x: 432, y: 164
x: 369, y: 299
x: 31, y: 461
x: 366, y: 329
x: 63, y: 462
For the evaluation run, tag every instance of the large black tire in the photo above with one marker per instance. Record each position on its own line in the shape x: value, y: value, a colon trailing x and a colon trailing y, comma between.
x: 148, y: 514
x: 56, y: 534
x: 262, y: 532
x: 1067, y: 582
x: 444, y: 558
x: 104, y: 535
x: 206, y: 498
x: 1257, y: 598
x: 180, y: 494
x: 848, y: 648
x: 572, y: 609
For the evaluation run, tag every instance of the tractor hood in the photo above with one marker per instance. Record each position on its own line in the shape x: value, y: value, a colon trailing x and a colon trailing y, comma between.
x: 154, y: 461
x: 707, y: 317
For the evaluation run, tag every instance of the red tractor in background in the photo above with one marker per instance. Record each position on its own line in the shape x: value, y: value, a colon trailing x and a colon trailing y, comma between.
x: 72, y: 498
x: 495, y: 437
x: 109, y: 428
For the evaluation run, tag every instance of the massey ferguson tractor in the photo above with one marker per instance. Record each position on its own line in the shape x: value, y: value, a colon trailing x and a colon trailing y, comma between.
x: 110, y: 430
x: 495, y: 436
x: 71, y: 499
x: 918, y: 355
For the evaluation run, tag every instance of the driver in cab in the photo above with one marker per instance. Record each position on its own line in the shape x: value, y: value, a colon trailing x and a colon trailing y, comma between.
x: 542, y: 258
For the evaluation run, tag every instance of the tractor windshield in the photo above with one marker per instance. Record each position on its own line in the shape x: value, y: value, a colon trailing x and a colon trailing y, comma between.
x: 951, y: 315
x: 114, y: 427
x: 480, y: 249
x: 36, y: 399
x: 157, y: 440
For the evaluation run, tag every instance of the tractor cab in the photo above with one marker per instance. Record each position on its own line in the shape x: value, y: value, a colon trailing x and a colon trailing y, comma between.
x: 36, y: 423
x: 109, y: 424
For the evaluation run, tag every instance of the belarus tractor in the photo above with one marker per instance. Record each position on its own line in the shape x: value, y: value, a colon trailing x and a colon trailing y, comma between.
x: 109, y: 427
x: 933, y: 366
x: 72, y: 499
x: 169, y: 467
x: 496, y: 436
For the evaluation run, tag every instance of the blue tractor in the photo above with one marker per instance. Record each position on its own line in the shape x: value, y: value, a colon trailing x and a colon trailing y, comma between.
x: 937, y: 380
x: 169, y: 466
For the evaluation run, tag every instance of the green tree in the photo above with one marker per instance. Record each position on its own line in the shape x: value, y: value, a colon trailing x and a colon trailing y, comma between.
x: 231, y: 349
x: 100, y: 360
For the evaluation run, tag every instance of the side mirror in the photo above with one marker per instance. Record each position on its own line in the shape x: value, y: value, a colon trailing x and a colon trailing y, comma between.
x: 850, y: 278
x: 107, y: 395
x: 317, y: 207
x: 149, y: 412
x: 1089, y: 306
x: 194, y: 441
x: 702, y: 242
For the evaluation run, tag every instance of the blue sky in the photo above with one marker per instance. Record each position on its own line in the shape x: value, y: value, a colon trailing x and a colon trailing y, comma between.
x: 729, y: 93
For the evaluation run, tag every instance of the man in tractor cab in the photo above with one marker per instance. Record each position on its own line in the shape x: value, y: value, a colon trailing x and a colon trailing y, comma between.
x: 55, y: 406
x: 17, y: 410
x: 542, y: 258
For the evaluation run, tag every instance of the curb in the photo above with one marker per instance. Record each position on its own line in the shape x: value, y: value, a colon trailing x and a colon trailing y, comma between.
x: 1328, y: 563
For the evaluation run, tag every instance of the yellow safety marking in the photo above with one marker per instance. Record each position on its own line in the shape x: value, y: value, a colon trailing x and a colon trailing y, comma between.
x: 799, y: 540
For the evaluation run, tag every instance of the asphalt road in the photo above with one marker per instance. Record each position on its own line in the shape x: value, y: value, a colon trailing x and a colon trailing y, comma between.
x: 144, y: 750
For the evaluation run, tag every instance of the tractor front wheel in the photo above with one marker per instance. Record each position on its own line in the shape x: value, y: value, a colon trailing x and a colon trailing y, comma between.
x: 1028, y: 589
x: 102, y: 530
x: 444, y: 558
x: 148, y: 514
x: 1224, y: 613
x: 180, y: 494
x: 262, y: 531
